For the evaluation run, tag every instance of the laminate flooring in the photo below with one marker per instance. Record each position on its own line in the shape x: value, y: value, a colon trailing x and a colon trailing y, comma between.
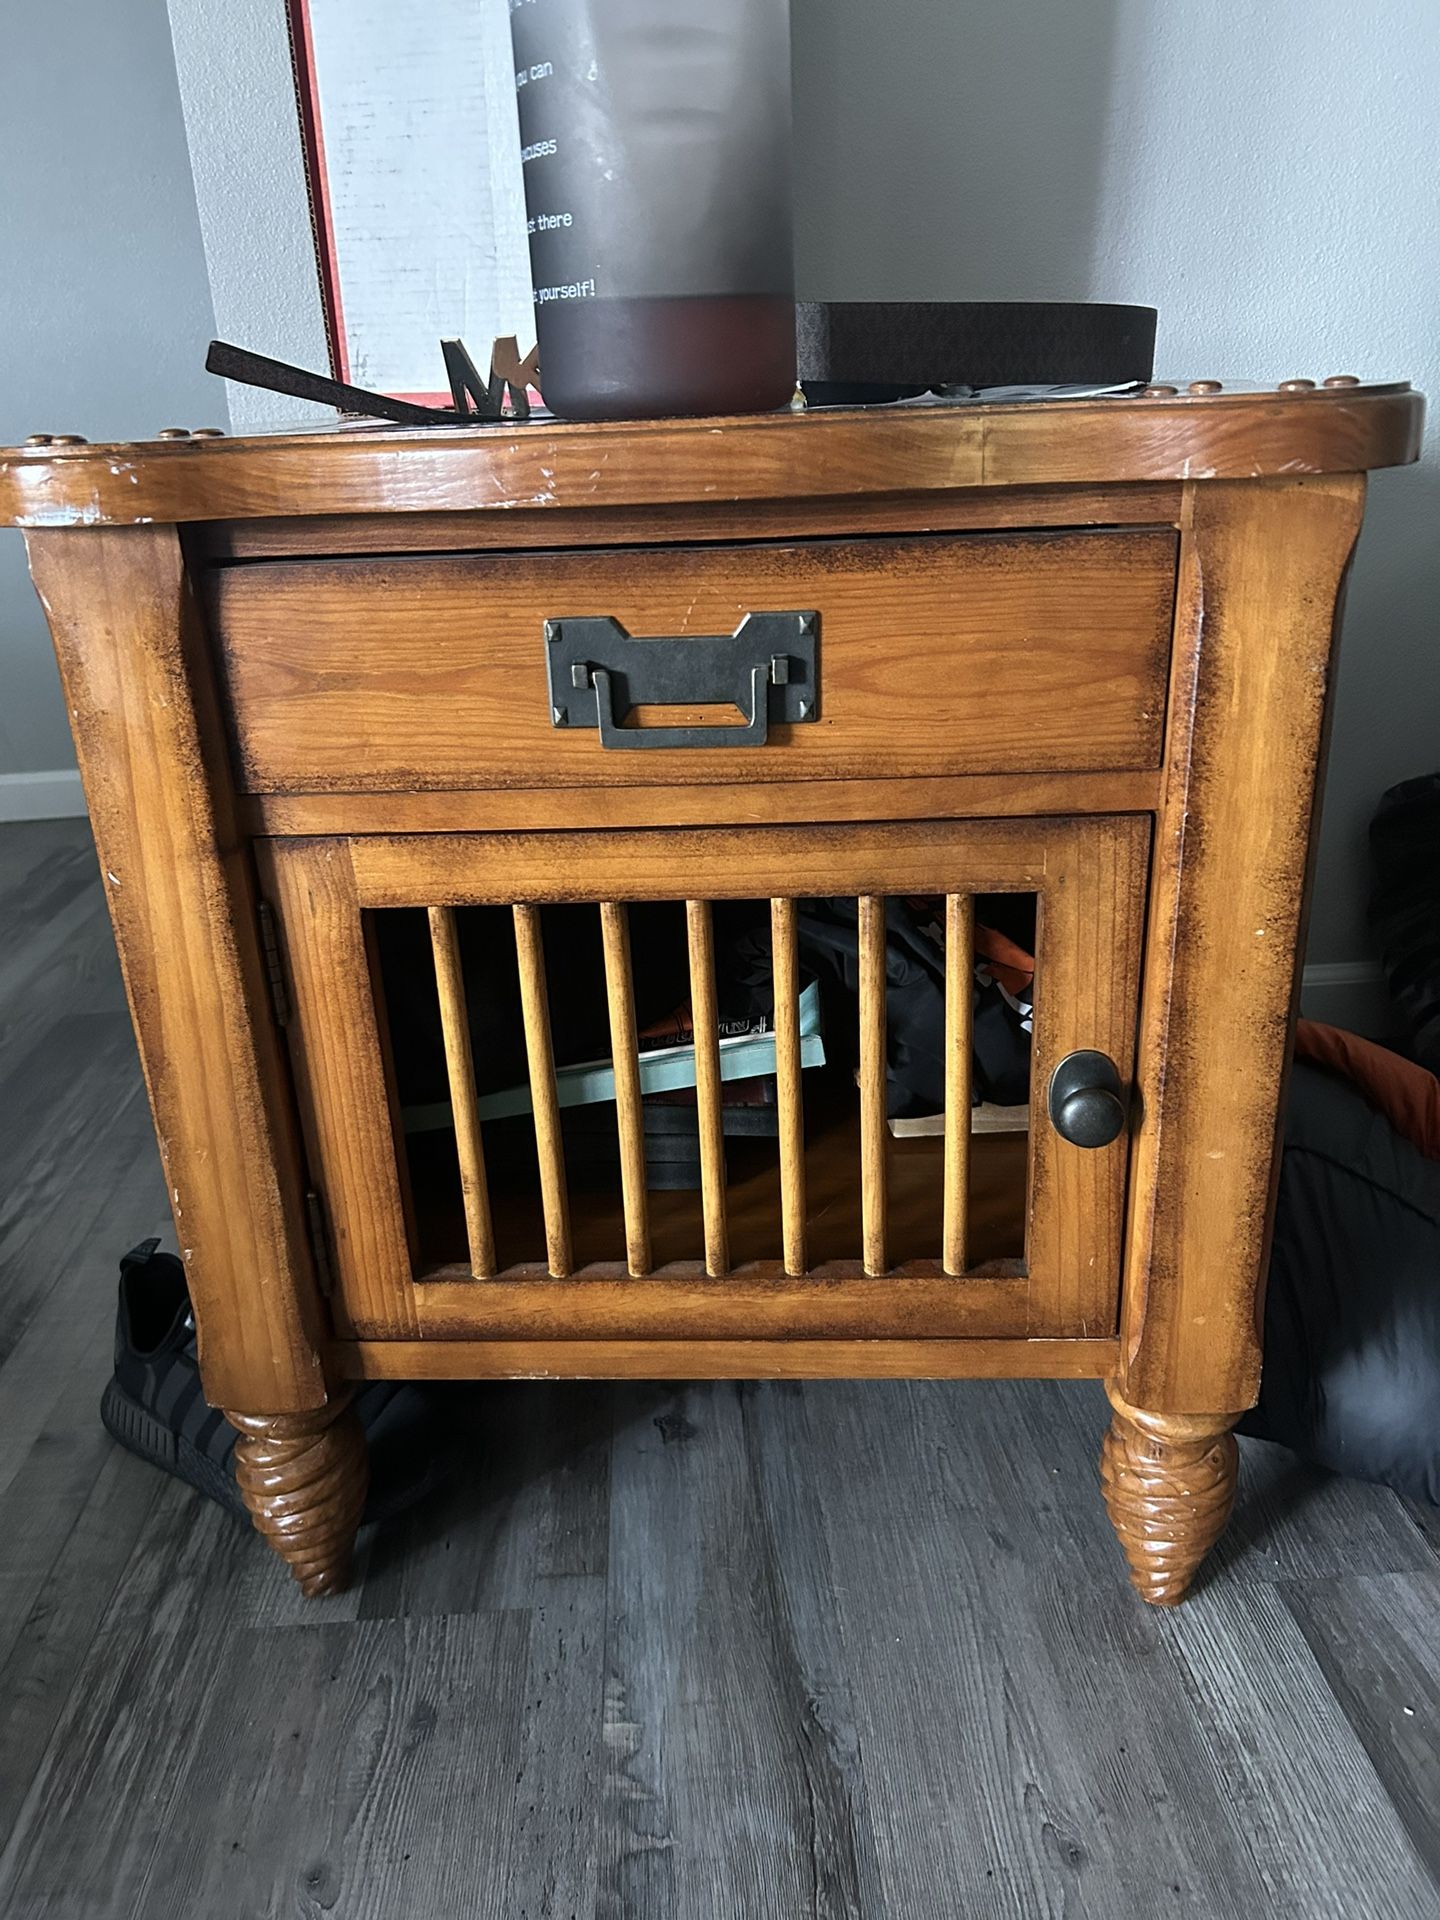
x: 662, y: 1652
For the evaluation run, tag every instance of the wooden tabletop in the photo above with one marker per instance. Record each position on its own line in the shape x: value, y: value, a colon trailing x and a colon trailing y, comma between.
x: 1202, y: 432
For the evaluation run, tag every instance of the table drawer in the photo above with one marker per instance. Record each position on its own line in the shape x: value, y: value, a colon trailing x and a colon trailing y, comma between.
x: 935, y: 655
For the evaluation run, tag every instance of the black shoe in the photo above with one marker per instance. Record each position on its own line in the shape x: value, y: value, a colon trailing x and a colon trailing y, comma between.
x: 155, y: 1406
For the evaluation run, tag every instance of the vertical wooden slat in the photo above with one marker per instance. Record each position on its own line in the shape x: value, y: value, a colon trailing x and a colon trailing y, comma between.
x: 624, y: 1052
x: 872, y: 1082
x: 786, y: 977
x: 959, y: 1001
x: 535, y: 1007
x: 706, y: 1017
x: 455, y: 1023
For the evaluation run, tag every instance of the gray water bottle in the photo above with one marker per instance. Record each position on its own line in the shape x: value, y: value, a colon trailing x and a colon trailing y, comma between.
x: 655, y: 139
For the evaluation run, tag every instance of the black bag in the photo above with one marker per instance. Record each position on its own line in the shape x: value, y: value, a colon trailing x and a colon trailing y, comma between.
x: 828, y: 934
x: 1352, y: 1315
x: 1405, y: 908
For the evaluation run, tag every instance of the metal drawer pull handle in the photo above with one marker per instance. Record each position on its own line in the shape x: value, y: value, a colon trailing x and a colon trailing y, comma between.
x: 767, y: 667
x: 1086, y: 1103
x: 753, y: 734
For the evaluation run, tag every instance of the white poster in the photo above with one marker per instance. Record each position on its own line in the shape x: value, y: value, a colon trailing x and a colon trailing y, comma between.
x: 420, y: 201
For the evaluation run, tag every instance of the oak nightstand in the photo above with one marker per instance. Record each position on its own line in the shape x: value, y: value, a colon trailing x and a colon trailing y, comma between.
x: 496, y: 692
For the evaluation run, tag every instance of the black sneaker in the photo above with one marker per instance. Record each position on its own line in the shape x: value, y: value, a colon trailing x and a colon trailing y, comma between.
x: 156, y: 1407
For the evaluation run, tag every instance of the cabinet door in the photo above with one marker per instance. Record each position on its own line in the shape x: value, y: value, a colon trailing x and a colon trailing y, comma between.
x: 498, y: 1157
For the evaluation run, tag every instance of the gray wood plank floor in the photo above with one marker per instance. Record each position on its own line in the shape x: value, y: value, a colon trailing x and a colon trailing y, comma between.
x: 689, y: 1652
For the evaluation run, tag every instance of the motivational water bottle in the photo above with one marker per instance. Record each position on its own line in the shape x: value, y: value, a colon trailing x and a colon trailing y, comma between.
x: 655, y: 140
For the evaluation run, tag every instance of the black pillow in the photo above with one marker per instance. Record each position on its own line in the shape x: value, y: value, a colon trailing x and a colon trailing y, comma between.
x: 1352, y: 1314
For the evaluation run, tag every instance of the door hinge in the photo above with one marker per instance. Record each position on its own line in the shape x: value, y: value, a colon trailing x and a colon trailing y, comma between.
x: 274, y: 965
x: 320, y: 1242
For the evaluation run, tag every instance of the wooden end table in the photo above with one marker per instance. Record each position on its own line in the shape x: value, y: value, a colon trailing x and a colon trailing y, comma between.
x: 326, y: 686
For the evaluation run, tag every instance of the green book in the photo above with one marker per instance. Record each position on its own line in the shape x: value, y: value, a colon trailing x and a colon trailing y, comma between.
x: 743, y: 1056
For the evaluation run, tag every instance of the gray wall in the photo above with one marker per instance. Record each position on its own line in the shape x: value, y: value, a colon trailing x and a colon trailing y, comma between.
x: 104, y: 304
x: 1264, y: 175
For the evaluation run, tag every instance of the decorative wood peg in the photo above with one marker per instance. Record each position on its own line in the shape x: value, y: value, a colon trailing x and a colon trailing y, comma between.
x: 1297, y: 386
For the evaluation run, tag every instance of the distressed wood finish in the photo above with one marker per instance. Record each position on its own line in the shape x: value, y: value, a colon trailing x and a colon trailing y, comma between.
x: 967, y: 655
x: 704, y: 804
x: 619, y: 992
x: 182, y: 902
x: 702, y: 1359
x: 460, y: 1070
x: 982, y: 509
x: 344, y: 1091
x: 878, y: 857
x: 1261, y: 573
x: 1087, y: 981
x: 535, y: 1004
x: 1078, y: 649
x: 830, y: 456
x: 758, y: 1299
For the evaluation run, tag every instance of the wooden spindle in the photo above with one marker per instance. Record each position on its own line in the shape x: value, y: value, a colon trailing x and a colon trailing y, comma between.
x: 789, y: 1108
x: 705, y: 1016
x: 872, y: 1082
x: 535, y: 1008
x: 460, y: 1068
x: 625, y: 1054
x: 959, y: 1004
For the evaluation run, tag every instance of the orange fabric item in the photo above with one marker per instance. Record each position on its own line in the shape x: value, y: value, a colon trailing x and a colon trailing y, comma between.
x: 1407, y: 1095
x: 1008, y: 963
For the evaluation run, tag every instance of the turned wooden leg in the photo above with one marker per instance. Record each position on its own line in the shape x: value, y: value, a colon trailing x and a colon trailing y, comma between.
x: 304, y: 1478
x: 1169, y: 1484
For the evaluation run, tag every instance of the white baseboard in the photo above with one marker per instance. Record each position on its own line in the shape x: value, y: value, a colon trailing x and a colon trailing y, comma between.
x: 1349, y: 994
x: 54, y: 795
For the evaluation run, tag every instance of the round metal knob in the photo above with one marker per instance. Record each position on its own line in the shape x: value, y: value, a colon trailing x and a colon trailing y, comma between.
x: 1343, y: 380
x: 1297, y: 386
x: 173, y: 433
x: 1085, y: 1101
x: 1158, y: 393
x: 1206, y: 386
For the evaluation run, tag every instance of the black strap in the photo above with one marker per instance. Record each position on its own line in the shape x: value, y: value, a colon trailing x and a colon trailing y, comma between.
x: 277, y: 376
